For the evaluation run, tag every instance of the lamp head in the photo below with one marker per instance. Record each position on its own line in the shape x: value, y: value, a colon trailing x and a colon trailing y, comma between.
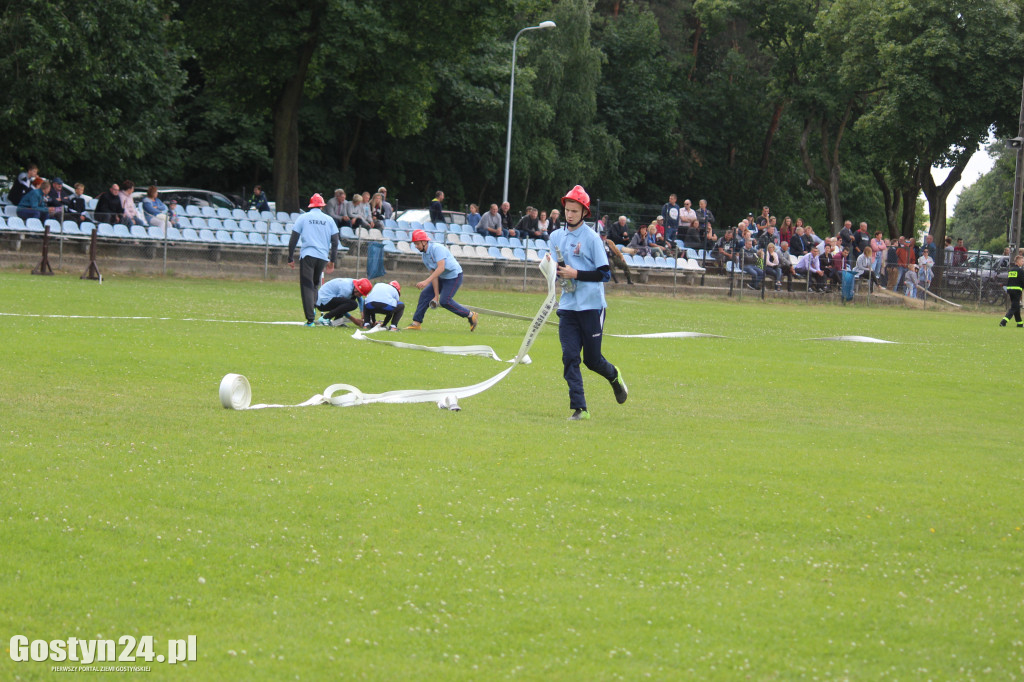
x: 546, y: 24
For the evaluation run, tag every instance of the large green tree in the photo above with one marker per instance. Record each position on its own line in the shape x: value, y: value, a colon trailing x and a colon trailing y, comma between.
x: 87, y: 101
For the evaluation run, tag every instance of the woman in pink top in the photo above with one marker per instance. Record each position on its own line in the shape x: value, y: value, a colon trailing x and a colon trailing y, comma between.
x: 878, y: 248
x: 131, y: 214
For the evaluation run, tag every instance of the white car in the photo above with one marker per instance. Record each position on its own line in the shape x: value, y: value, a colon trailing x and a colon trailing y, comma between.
x: 422, y: 215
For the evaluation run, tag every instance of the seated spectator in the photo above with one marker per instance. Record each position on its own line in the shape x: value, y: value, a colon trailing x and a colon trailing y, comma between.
x: 815, y: 239
x: 389, y: 210
x: 772, y: 264
x: 76, y: 207
x: 338, y: 209
x: 505, y: 213
x: 172, y: 213
x: 555, y: 219
x: 619, y: 231
x: 131, y: 213
x: 840, y: 263
x: 800, y: 244
x: 866, y: 265
x: 692, y: 235
x: 258, y: 200
x: 638, y: 244
x: 58, y: 198
x: 490, y: 223
x: 377, y: 210
x: 826, y: 262
x: 724, y: 247
x: 809, y: 266
x: 24, y: 184
x: 359, y: 213
x: 109, y: 208
x: 528, y: 226
x: 768, y: 236
x: 33, y: 203
x: 656, y: 239
x: 544, y: 224
x: 750, y: 261
x: 155, y: 210
x: 473, y: 217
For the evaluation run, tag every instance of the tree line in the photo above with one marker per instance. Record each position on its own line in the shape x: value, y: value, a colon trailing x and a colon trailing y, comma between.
x: 823, y: 109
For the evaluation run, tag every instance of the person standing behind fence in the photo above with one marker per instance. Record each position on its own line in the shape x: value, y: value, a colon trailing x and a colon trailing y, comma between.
x: 905, y: 258
x: 319, y: 249
x: 581, y: 307
x: 1014, y: 286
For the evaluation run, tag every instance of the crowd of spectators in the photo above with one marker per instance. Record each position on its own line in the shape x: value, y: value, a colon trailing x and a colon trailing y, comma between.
x: 760, y: 247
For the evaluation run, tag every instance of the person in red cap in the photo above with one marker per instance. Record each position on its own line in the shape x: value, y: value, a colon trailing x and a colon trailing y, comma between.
x: 440, y: 286
x: 583, y: 268
x: 337, y: 299
x: 319, y: 249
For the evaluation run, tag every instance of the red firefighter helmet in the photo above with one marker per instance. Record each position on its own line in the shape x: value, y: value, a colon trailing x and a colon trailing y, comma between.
x: 578, y: 194
x: 420, y: 236
x: 362, y: 286
x: 396, y: 285
x: 316, y: 201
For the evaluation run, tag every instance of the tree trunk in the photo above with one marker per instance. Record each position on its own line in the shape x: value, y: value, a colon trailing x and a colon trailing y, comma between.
x: 286, y: 126
x: 828, y: 186
x: 773, y: 128
x: 891, y: 201
x: 936, y: 196
x: 909, y: 214
x: 351, y: 147
x: 698, y: 32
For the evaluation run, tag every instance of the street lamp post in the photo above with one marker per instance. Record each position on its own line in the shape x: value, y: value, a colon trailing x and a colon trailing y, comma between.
x: 511, y: 97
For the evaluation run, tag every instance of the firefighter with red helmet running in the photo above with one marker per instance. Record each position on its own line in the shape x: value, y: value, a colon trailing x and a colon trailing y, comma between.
x: 443, y: 282
x: 583, y: 269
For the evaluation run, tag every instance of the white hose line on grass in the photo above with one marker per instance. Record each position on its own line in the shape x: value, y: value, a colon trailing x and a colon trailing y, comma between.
x: 477, y: 351
x: 855, y: 339
x: 235, y: 392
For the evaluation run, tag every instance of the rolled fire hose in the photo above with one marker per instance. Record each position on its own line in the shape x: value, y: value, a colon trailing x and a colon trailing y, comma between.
x: 236, y: 394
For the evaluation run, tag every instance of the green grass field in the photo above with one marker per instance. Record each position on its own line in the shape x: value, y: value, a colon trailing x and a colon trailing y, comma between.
x: 763, y: 507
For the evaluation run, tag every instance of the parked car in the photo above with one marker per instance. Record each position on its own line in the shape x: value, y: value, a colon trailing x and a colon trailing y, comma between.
x: 422, y: 215
x: 189, y: 196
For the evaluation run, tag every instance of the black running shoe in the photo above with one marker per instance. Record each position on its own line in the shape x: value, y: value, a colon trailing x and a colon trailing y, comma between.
x: 579, y: 415
x: 619, y: 386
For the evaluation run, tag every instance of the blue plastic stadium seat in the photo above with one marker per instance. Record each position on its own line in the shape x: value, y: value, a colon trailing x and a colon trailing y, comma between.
x: 122, y: 231
x: 490, y: 240
x: 223, y: 236
x: 190, y: 235
x: 214, y: 224
x: 240, y: 237
x: 519, y: 254
x: 391, y: 223
x: 503, y: 241
x: 495, y: 253
x: 33, y: 225
x: 199, y: 223
x: 223, y: 212
x: 138, y: 232
x: 174, y: 234
x: 255, y: 238
x: 206, y: 235
x: 193, y: 210
x: 389, y: 246
x: 71, y: 228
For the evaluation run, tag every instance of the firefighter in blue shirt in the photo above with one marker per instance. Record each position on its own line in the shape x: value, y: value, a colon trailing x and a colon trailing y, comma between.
x: 440, y: 286
x: 583, y: 268
x: 383, y: 300
x: 337, y: 299
x: 1014, y: 285
x: 319, y: 249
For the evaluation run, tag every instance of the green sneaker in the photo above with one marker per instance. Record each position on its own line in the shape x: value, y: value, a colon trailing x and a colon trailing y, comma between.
x: 619, y: 386
x: 579, y: 415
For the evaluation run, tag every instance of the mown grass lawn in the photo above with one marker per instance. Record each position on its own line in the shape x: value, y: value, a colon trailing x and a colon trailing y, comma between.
x: 764, y: 506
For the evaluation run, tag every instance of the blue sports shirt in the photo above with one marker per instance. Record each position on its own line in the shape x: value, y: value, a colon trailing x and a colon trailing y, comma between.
x: 316, y: 229
x: 438, y: 252
x: 383, y: 293
x: 340, y: 287
x: 581, y: 249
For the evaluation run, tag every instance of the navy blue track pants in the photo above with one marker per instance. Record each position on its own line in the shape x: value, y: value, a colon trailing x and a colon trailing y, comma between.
x: 581, y: 330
